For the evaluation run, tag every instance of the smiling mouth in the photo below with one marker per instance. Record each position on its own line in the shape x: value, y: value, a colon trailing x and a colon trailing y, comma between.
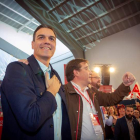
x: 46, y: 48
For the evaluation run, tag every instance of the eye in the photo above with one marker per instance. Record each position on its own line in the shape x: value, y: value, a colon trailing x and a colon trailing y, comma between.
x: 41, y: 37
x: 52, y: 38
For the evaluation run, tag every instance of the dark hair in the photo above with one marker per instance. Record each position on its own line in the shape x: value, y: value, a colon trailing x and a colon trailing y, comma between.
x: 119, y: 107
x: 42, y: 26
x: 73, y: 65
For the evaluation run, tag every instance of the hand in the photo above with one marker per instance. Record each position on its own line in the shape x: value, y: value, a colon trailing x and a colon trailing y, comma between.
x: 114, y: 121
x: 25, y: 61
x: 52, y: 84
x: 128, y: 79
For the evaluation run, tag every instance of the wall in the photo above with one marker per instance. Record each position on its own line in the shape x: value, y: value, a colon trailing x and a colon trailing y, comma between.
x: 59, y: 65
x: 122, y: 50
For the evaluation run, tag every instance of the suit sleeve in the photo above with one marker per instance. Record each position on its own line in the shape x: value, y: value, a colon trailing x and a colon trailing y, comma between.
x: 30, y: 112
x: 108, y: 99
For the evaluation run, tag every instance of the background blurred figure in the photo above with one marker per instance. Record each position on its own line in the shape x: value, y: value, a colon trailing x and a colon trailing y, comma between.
x: 127, y: 128
x: 121, y: 110
x: 109, y: 122
x: 95, y: 80
x: 138, y: 108
x: 136, y: 115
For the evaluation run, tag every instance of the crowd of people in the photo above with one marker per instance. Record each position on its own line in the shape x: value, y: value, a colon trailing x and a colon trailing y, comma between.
x: 119, y: 112
x: 36, y: 106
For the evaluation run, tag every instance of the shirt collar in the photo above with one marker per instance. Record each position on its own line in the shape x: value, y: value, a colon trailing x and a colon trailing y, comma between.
x: 43, y: 67
x: 77, y: 86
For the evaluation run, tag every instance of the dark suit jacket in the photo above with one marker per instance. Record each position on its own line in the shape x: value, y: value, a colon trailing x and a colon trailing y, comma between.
x: 121, y: 129
x: 27, y: 106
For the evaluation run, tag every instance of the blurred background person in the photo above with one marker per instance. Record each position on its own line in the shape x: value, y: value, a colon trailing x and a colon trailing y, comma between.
x: 127, y: 128
x: 138, y: 108
x: 121, y: 110
x: 109, y: 123
x: 136, y: 115
x: 95, y: 80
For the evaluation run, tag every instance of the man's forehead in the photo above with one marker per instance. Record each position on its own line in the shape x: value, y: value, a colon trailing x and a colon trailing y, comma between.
x: 84, y: 64
x: 129, y: 108
x: 95, y: 74
x: 45, y: 31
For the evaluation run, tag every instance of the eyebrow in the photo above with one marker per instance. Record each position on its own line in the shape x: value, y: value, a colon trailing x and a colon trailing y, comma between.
x: 44, y: 35
x: 40, y: 35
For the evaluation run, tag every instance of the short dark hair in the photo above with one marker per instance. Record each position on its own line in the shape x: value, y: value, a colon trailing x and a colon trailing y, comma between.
x: 42, y: 26
x: 73, y: 65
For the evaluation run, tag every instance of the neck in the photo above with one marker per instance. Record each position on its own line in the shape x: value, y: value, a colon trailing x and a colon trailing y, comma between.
x: 43, y: 60
x: 79, y: 84
x: 121, y: 115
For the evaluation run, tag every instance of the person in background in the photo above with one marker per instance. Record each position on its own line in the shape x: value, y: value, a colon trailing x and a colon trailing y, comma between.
x: 95, y: 80
x: 109, y: 122
x: 136, y: 115
x: 120, y: 113
x: 121, y: 110
x: 33, y: 99
x: 138, y: 108
x: 127, y: 128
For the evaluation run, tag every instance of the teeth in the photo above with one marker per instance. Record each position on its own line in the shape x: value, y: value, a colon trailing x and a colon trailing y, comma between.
x: 46, y: 48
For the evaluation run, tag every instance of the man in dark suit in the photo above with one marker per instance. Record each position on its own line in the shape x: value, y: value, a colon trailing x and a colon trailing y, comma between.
x: 33, y: 99
x: 127, y: 128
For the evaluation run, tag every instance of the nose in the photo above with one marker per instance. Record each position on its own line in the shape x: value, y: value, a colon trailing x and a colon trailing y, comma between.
x: 46, y: 40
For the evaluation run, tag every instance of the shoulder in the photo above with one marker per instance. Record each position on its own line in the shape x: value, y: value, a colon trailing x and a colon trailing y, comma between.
x: 120, y: 120
x: 135, y: 121
x: 15, y: 65
x: 16, y: 68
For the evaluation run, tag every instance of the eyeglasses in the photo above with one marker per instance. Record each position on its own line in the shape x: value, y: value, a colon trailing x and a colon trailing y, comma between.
x: 136, y: 112
x: 96, y: 77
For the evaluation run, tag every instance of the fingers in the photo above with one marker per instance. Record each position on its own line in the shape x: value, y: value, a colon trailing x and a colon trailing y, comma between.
x: 25, y: 61
x: 131, y: 77
x: 54, y: 80
x: 128, y: 79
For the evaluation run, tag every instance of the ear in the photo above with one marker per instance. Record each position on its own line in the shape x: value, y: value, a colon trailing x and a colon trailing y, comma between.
x: 33, y: 44
x: 76, y: 73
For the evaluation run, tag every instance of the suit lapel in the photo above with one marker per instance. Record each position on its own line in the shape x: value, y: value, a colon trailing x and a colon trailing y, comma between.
x: 41, y: 78
x: 61, y: 90
x: 37, y: 71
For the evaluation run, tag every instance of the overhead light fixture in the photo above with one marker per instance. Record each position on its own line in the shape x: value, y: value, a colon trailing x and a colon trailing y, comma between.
x: 111, y: 69
x: 97, y: 69
x: 104, y: 70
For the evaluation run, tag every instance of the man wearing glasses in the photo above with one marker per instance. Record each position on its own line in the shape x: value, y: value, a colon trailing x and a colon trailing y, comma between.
x: 95, y: 80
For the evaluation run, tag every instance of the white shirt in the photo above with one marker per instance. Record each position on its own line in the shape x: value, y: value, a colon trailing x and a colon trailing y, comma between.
x: 88, y: 132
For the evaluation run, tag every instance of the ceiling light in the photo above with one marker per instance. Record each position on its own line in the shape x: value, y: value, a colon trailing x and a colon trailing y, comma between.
x: 111, y: 69
x: 97, y: 69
